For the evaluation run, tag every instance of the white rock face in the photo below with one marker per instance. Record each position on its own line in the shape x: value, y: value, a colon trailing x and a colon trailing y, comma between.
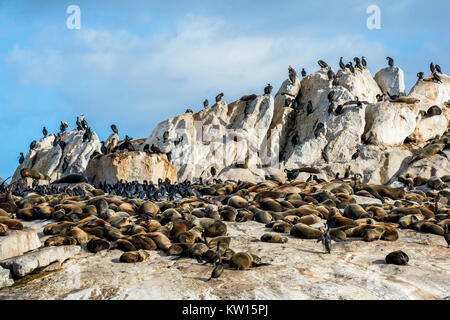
x: 48, y: 160
x: 392, y: 80
x: 208, y: 137
x: 390, y: 123
x: 341, y: 134
x: 431, y: 93
x: 18, y: 242
x: 111, y: 142
x: 27, y: 263
x: 129, y: 166
x: 360, y: 84
x: 6, y: 279
x: 436, y: 165
x: 430, y: 127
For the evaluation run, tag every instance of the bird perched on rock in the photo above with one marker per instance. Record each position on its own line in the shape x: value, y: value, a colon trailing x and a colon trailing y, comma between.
x: 356, y: 155
x: 436, y: 78
x: 349, y: 65
x: 114, y: 129
x: 292, y: 74
x: 341, y: 64
x: 318, y: 129
x: 438, y: 68
x: 326, y: 239
x: 219, y: 97
x: 84, y: 123
x: 390, y: 61
x: 79, y: 127
x: 295, y: 139
x: 309, y: 108
x: 331, y: 95
x: 22, y: 158
x: 432, y: 67
x: 103, y: 148
x: 65, y: 164
x: 331, y: 108
x: 87, y: 136
x: 380, y: 97
x: 155, y: 149
x: 268, y: 89
x: 339, y: 110
x: 322, y: 64
x: 62, y: 144
x: 364, y: 62
x: 63, y: 127
x: 205, y: 103
x: 330, y: 74
x: 57, y: 140
x: 33, y: 144
x: 358, y: 63
x: 44, y: 131
x: 213, y: 171
x: 303, y: 72
x: 291, y: 175
x: 420, y: 76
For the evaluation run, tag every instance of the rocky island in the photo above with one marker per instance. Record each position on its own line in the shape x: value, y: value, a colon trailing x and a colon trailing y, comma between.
x: 233, y: 202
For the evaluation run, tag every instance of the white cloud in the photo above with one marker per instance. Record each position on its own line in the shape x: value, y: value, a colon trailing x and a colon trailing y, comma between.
x: 131, y: 75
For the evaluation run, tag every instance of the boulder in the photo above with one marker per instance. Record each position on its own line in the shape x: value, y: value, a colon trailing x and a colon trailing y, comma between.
x: 129, y: 166
x: 48, y: 160
x: 217, y: 137
x: 27, y: 263
x: 431, y: 93
x: 392, y: 80
x: 360, y: 84
x: 17, y: 242
x: 429, y: 127
x: 340, y: 135
x: 390, y: 123
x: 6, y: 279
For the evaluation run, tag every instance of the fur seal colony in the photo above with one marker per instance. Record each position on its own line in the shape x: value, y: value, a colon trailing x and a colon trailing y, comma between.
x: 190, y: 220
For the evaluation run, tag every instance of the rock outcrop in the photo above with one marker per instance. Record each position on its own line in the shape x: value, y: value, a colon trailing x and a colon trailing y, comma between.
x: 6, y: 279
x: 29, y: 262
x: 392, y: 80
x: 217, y: 137
x: 129, y: 166
x: 248, y: 137
x: 49, y: 160
x: 18, y: 242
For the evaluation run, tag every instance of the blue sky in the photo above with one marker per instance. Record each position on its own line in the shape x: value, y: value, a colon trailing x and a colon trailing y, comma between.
x: 137, y: 63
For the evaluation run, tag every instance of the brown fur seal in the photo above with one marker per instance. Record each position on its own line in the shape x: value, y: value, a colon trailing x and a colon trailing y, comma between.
x: 244, y: 260
x: 213, y: 228
x: 397, y: 257
x: 60, y: 241
x: 161, y: 240
x: 142, y: 241
x: 123, y: 245
x: 304, y: 231
x: 33, y: 174
x: 12, y: 224
x: 134, y: 256
x: 72, y: 178
x: 191, y: 236
x: 273, y: 238
x: 96, y: 245
x: 281, y: 227
x: 3, y: 229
